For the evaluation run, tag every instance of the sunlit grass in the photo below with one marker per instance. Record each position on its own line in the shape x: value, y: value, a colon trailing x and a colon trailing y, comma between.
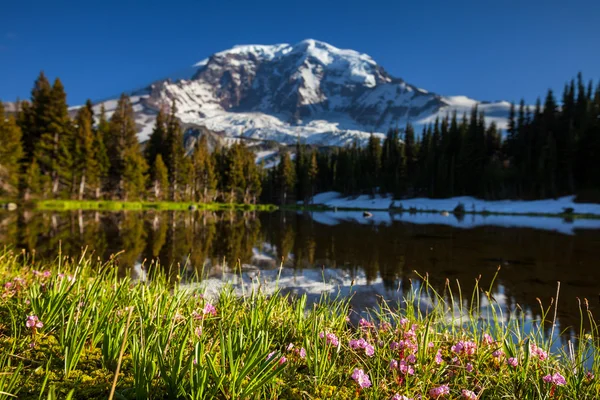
x: 68, y: 326
x: 114, y: 205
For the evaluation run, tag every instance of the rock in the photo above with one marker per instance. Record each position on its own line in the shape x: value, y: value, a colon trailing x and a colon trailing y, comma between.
x: 445, y: 213
x: 367, y: 214
x: 193, y: 207
x: 10, y: 206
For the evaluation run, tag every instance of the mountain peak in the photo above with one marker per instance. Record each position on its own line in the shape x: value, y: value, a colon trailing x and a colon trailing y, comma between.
x: 309, y: 90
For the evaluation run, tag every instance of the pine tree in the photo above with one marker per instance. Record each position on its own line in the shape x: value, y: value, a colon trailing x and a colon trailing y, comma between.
x: 313, y: 172
x: 160, y: 178
x: 410, y: 152
x: 204, y: 180
x: 35, y: 117
x: 98, y: 179
x: 373, y: 164
x: 174, y: 154
x: 11, y: 152
x: 53, y: 149
x: 34, y: 181
x: 85, y: 165
x: 286, y: 177
x: 127, y: 165
x: 134, y: 174
x: 157, y: 141
x: 253, y: 176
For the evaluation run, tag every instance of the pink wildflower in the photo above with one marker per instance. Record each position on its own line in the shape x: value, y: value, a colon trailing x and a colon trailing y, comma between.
x: 469, y: 367
x: 538, y: 352
x: 271, y: 354
x: 282, y: 360
x: 406, y: 368
x: 589, y: 376
x: 439, y: 391
x: 498, y: 353
x: 513, y: 362
x: 364, y: 324
x: 302, y: 353
x: 209, y: 309
x: 361, y: 378
x: 464, y: 347
x: 33, y: 322
x: 411, y: 359
x: 384, y: 326
x: 330, y: 338
x: 393, y: 364
x: 400, y: 397
x: 362, y: 344
x: 487, y: 339
x: 290, y: 347
x: 556, y: 379
x: 468, y: 395
x: 438, y: 357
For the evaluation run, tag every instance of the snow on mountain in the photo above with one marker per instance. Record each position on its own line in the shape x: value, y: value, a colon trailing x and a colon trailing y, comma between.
x: 310, y: 91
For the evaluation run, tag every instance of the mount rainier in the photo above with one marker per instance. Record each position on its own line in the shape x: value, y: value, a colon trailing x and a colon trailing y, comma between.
x: 310, y: 91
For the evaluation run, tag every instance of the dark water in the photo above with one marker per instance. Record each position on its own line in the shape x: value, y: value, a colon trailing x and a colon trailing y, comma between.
x: 380, y: 257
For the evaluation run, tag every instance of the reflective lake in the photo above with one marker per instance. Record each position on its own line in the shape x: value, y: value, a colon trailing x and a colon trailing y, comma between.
x: 342, y: 252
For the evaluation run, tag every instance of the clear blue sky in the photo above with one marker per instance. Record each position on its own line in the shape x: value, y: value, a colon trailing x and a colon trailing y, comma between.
x: 505, y: 49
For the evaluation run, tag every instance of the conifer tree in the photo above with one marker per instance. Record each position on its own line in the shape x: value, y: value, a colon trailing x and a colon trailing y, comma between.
x: 127, y: 165
x: 99, y: 178
x: 373, y: 164
x: 35, y: 117
x: 410, y: 152
x: 33, y: 180
x: 157, y: 141
x: 253, y: 176
x: 313, y: 173
x: 11, y: 152
x: 286, y: 177
x: 204, y: 179
x: 174, y: 153
x: 54, y: 147
x: 160, y: 178
x: 85, y: 164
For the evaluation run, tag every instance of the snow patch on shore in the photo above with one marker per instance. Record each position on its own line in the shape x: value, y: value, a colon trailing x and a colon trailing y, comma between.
x: 384, y: 202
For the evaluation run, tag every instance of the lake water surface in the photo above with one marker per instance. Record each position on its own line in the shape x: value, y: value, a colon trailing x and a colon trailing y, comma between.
x: 341, y: 252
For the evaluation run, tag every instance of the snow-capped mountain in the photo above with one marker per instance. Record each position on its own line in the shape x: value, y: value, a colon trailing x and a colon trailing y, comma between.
x: 311, y: 90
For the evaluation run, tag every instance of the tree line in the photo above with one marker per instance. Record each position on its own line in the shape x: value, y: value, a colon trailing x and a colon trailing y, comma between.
x: 44, y: 153
x: 546, y: 151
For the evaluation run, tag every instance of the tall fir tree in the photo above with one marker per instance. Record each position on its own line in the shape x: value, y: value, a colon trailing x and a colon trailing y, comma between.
x: 174, y: 154
x: 53, y: 150
x: 35, y: 117
x: 11, y: 152
x: 286, y: 177
x: 126, y: 177
x: 204, y: 180
x: 160, y: 179
x: 85, y: 164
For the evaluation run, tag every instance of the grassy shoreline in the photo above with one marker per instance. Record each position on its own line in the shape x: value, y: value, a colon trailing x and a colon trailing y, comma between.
x: 116, y: 205
x: 68, y: 327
